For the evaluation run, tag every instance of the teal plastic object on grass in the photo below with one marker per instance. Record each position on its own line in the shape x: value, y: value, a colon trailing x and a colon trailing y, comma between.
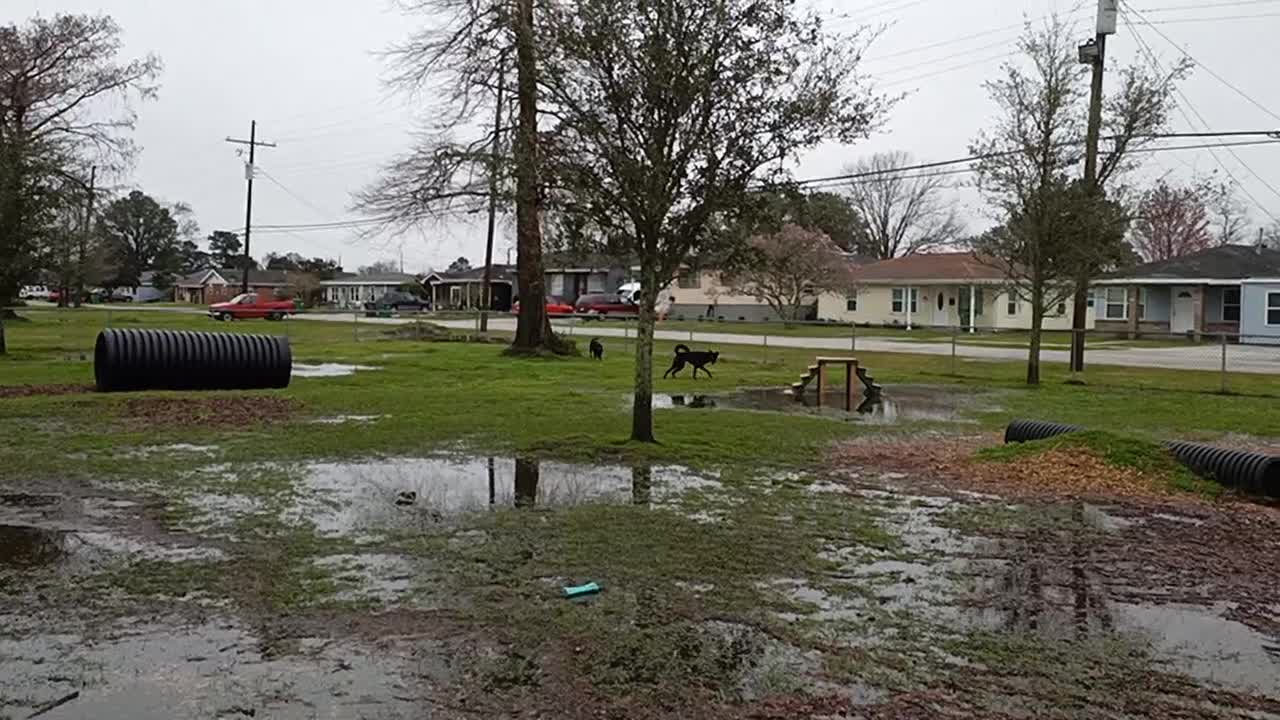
x: 580, y: 590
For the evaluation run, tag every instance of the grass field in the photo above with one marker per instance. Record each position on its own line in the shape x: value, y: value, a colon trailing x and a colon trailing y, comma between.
x: 733, y: 569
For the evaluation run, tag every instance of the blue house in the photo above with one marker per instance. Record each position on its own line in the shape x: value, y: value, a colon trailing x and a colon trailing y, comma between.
x: 1233, y: 290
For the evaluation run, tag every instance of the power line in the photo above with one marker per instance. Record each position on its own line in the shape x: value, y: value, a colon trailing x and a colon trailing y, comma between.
x: 1220, y: 18
x: 1203, y: 6
x: 1155, y: 62
x: 1204, y: 67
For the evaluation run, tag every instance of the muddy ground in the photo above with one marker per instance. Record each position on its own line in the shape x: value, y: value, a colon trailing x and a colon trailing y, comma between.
x: 429, y: 587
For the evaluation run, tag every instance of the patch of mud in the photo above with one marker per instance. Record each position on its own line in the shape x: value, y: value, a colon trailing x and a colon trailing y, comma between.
x: 35, y: 546
x: 20, y: 391
x: 366, y: 498
x: 218, y: 411
x: 144, y: 670
x: 329, y: 370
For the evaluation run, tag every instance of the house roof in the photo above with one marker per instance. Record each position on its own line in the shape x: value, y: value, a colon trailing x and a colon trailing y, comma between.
x: 501, y: 273
x: 257, y: 278
x: 931, y: 267
x: 1229, y: 262
x: 375, y: 279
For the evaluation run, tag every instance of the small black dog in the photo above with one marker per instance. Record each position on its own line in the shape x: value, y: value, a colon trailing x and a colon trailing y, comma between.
x: 699, y: 360
x: 597, y: 350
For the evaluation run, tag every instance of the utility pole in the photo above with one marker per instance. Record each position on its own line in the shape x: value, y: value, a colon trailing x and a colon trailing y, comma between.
x: 486, y: 298
x: 1092, y: 53
x: 249, y: 170
x: 87, y: 235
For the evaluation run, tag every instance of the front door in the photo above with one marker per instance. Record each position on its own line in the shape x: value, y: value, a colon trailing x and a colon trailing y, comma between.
x: 941, y: 309
x: 1183, y: 319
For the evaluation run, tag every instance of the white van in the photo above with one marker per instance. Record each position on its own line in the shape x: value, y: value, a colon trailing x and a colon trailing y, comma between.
x: 34, y: 292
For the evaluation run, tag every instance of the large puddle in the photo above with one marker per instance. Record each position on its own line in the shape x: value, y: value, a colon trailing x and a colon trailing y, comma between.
x: 896, y: 404
x: 144, y: 670
x: 368, y: 499
x: 328, y: 370
x: 958, y: 581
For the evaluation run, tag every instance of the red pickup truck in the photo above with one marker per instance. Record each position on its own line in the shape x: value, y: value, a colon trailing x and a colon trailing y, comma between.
x: 248, y: 306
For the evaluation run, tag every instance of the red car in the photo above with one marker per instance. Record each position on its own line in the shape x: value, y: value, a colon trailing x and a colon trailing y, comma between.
x: 603, y: 304
x: 248, y: 306
x: 555, y: 306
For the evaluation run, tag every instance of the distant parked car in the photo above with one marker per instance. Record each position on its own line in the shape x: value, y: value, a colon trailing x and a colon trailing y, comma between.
x: 555, y: 306
x: 397, y: 301
x: 603, y: 304
x: 249, y: 306
x: 34, y: 292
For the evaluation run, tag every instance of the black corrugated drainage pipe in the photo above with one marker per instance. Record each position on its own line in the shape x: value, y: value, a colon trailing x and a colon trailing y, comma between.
x: 1025, y: 430
x: 1247, y: 472
x: 125, y: 360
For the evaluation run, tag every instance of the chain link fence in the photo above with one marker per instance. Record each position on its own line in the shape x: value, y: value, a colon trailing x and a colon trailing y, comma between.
x: 1220, y: 362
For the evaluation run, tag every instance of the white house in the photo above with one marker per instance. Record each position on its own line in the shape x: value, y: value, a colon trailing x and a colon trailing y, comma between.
x: 957, y: 289
x: 353, y: 291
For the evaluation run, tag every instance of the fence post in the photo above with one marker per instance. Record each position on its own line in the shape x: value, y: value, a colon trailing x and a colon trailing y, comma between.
x: 853, y: 337
x: 765, y: 361
x: 1224, y: 363
x: 355, y: 325
x: 108, y: 317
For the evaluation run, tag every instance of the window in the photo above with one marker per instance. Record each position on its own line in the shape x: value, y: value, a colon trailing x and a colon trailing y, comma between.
x: 1117, y: 304
x: 851, y: 302
x: 689, y: 280
x: 1142, y: 303
x: 980, y: 300
x: 1231, y: 305
x: 1273, y: 308
x: 1062, y: 309
x: 899, y: 298
x: 1011, y: 306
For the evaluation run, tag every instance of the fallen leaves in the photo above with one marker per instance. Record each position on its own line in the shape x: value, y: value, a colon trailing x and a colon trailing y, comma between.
x: 20, y: 391
x: 219, y: 410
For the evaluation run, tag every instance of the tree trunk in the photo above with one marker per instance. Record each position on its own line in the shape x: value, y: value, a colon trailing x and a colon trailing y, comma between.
x: 642, y: 404
x: 1037, y: 322
x: 533, y: 328
x: 4, y: 346
x: 1080, y: 313
x: 526, y: 485
x: 641, y: 485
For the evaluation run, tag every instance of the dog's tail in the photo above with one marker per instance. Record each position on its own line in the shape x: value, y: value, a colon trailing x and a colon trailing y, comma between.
x: 681, y: 349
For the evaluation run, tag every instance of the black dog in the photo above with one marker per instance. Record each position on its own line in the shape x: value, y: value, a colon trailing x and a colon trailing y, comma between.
x: 597, y: 350
x: 699, y: 360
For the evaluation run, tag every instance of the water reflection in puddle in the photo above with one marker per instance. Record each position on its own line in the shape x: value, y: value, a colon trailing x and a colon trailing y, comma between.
x: 344, y: 498
x: 326, y: 370
x: 22, y: 546
x: 901, y: 403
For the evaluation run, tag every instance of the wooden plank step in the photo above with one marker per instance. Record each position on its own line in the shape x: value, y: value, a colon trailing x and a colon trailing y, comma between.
x: 813, y: 369
x: 823, y: 359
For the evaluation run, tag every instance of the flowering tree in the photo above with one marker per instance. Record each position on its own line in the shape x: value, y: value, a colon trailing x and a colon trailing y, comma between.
x: 787, y: 268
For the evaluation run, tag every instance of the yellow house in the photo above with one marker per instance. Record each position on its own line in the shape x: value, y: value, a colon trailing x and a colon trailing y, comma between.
x: 704, y: 294
x: 958, y: 289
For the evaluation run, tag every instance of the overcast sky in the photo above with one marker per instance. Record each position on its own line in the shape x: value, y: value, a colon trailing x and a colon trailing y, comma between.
x: 308, y: 71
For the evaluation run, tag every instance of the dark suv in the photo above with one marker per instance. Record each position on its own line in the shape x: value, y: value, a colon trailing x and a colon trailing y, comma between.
x: 603, y: 304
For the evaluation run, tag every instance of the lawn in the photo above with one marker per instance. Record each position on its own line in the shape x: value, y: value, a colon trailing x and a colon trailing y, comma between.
x: 739, y: 573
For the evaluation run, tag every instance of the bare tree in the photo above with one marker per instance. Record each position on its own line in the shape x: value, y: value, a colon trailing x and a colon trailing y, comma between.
x: 64, y: 104
x: 1171, y: 222
x: 669, y: 115
x: 903, y: 212
x: 1052, y: 228
x: 789, y: 267
x: 1229, y: 214
x: 455, y: 168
